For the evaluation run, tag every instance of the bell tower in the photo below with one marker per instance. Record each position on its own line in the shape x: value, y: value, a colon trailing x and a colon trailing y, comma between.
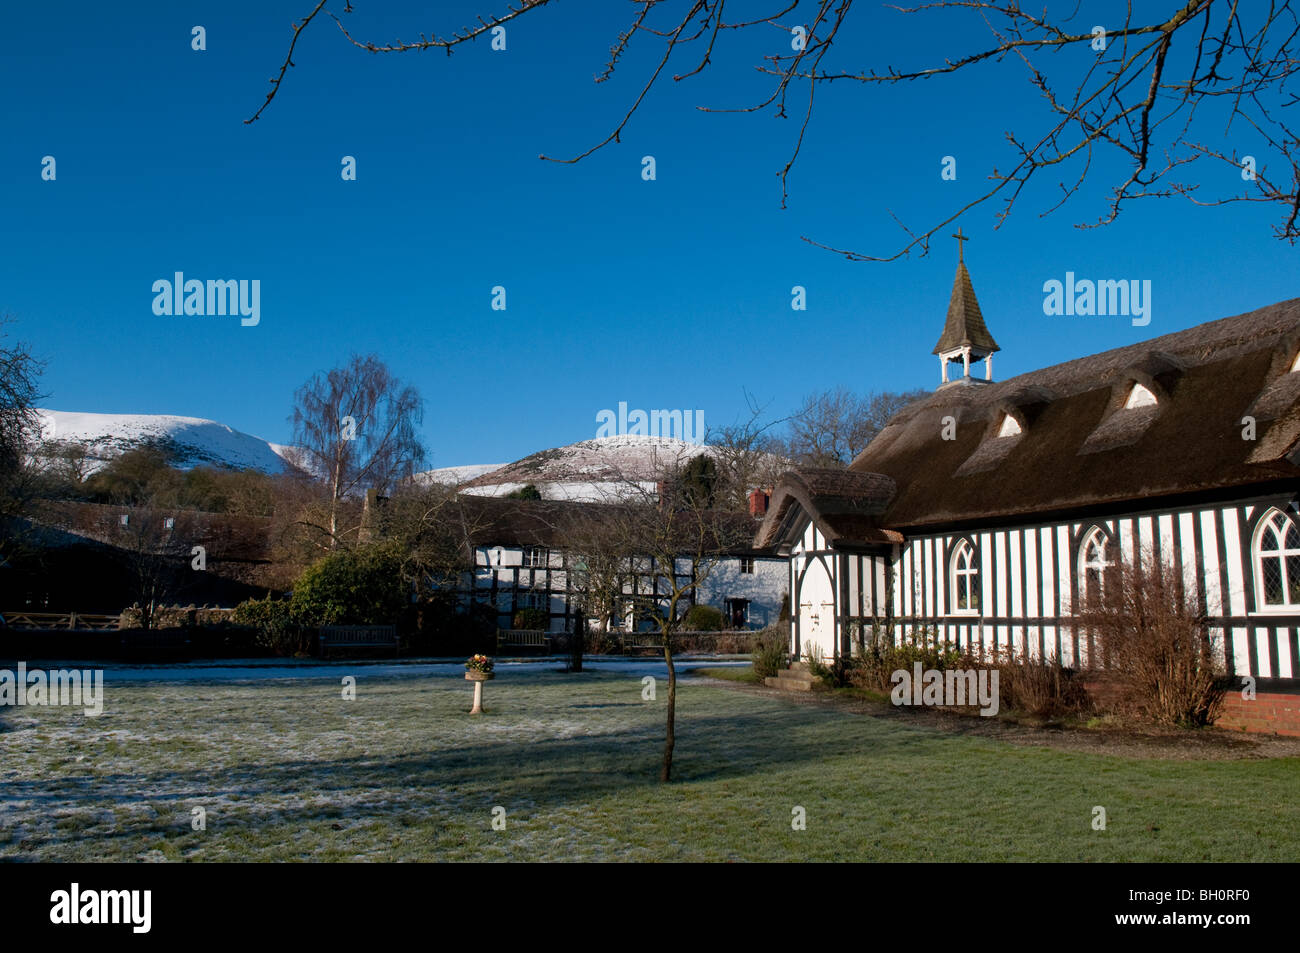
x: 965, y: 338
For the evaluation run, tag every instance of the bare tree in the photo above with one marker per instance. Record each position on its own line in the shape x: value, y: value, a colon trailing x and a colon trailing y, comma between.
x: 66, y: 464
x: 599, y: 563
x: 678, y: 541
x: 436, y: 530
x: 832, y: 427
x: 1148, y: 89
x: 19, y: 435
x: 155, y: 544
x: 749, y: 455
x: 355, y: 429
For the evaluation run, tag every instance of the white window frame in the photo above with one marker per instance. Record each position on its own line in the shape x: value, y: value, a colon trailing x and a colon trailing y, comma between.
x: 1273, y: 523
x: 970, y: 569
x: 1098, y: 539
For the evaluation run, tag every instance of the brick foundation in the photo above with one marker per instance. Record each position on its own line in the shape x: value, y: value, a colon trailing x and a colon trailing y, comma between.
x: 1269, y: 712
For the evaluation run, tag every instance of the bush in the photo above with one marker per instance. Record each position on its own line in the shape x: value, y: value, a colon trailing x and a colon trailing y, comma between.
x: 771, y: 652
x: 1039, y: 687
x: 532, y: 619
x: 275, y: 623
x: 703, y: 619
x: 600, y: 643
x: 353, y: 587
x: 1156, y: 648
x: 877, y: 657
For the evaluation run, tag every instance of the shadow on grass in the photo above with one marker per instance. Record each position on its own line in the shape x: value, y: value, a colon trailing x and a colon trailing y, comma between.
x: 751, y: 740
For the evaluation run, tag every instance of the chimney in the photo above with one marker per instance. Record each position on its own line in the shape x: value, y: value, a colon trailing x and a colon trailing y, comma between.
x: 758, y: 500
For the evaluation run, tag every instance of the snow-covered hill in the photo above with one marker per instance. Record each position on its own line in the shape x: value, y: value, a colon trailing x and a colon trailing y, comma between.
x: 454, y: 476
x: 601, y: 470
x: 194, y: 441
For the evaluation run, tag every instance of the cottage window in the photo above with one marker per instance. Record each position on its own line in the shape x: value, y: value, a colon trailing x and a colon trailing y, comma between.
x: 747, y: 564
x: 1096, y: 563
x: 537, y: 557
x: 965, y: 578
x: 1277, y: 561
x: 531, y: 599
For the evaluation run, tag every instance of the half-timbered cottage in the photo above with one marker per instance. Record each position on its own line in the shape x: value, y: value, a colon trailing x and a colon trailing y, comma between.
x: 525, y: 557
x: 989, y: 510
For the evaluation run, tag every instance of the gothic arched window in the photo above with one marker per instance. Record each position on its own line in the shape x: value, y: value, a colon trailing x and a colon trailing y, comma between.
x: 964, y: 573
x: 1096, y: 566
x: 1277, y: 561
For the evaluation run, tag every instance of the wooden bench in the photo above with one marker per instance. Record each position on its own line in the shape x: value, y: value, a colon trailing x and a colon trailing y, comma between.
x: 637, y: 641
x: 357, y: 637
x: 523, y: 639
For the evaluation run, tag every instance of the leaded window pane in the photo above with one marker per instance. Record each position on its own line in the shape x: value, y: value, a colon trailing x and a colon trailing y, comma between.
x: 1271, y: 569
x: 1293, y: 579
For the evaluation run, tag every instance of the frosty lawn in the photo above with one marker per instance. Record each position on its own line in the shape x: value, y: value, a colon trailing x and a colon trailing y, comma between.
x: 287, y: 770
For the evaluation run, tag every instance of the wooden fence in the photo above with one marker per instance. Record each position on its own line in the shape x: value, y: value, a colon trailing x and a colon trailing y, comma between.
x: 60, y: 621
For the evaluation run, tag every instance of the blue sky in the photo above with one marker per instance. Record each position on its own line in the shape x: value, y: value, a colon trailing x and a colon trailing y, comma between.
x: 666, y: 294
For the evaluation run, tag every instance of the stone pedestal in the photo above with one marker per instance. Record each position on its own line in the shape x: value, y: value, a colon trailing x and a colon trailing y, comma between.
x: 478, y: 678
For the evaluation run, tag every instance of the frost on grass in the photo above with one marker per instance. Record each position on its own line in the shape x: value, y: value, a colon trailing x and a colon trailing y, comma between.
x: 285, y: 769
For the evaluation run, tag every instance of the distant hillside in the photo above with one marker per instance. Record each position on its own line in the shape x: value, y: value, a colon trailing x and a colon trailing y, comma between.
x: 455, y: 476
x: 599, y: 470
x: 192, y: 440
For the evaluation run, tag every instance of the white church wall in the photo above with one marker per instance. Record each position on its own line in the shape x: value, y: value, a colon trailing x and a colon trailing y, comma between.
x: 1029, y: 582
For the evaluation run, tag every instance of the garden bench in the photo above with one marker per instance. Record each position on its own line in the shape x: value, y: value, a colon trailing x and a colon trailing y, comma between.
x: 358, y: 636
x: 641, y: 640
x: 523, y: 639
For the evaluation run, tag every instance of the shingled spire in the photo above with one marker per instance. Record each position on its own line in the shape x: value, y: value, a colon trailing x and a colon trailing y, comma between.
x: 965, y: 337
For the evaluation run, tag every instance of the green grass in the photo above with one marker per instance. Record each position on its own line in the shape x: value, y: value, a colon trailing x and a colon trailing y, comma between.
x: 732, y: 673
x: 404, y: 773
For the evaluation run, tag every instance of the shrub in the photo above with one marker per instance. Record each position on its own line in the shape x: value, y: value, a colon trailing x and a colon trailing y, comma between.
x: 353, y: 587
x: 532, y: 619
x: 600, y: 642
x: 703, y: 619
x: 275, y: 623
x: 877, y: 657
x: 771, y: 651
x: 1156, y: 647
x: 1039, y: 687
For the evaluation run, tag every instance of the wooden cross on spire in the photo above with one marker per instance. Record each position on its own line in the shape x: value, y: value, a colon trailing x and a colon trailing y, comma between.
x: 960, y: 238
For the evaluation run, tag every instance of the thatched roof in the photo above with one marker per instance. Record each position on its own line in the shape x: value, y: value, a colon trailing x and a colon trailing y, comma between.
x: 847, y: 505
x: 562, y: 524
x: 1079, y: 446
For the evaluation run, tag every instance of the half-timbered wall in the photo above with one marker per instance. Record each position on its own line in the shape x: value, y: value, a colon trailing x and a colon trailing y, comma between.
x: 512, y: 578
x: 1029, y: 580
